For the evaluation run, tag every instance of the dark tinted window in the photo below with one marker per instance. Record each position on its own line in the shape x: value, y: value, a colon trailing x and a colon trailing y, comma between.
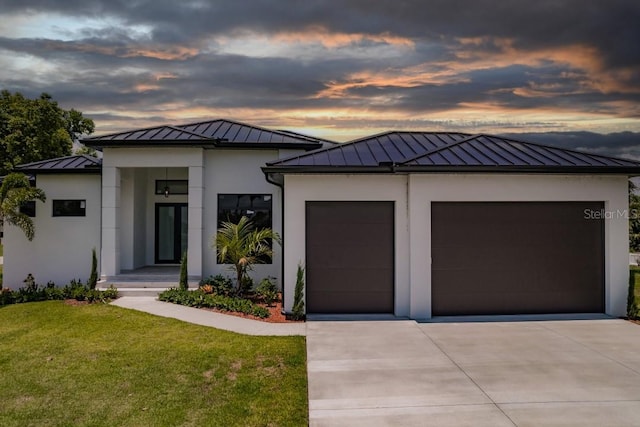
x: 69, y: 207
x: 29, y: 208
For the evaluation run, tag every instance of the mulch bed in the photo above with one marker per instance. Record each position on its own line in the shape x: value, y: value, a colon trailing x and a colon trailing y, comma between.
x: 275, y: 313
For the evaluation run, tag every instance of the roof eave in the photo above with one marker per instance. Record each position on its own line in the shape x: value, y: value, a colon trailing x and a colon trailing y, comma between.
x: 388, y: 169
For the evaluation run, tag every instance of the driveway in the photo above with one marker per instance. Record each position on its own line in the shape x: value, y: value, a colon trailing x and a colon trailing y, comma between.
x: 402, y: 373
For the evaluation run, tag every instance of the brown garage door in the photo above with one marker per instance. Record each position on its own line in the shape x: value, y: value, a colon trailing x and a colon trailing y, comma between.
x: 349, y: 257
x: 516, y: 258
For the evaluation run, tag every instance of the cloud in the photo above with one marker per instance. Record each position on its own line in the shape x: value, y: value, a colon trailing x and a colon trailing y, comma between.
x: 547, y: 64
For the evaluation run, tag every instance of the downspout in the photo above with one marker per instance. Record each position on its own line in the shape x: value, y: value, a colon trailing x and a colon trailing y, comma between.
x: 271, y: 181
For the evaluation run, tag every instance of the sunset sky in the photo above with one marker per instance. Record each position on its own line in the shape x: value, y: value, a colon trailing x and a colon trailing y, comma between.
x: 337, y: 69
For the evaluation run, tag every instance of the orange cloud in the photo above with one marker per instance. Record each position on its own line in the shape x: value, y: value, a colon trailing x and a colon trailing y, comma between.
x: 332, y: 40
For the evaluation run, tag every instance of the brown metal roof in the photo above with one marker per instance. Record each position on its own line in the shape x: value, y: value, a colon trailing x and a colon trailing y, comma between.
x: 446, y: 152
x: 213, y: 133
x: 70, y: 164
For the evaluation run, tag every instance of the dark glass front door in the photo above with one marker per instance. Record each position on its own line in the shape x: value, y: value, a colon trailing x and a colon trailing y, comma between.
x: 171, y: 232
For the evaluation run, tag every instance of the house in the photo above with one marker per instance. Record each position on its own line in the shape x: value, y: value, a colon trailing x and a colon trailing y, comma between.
x: 423, y: 224
x: 414, y: 224
x: 157, y: 193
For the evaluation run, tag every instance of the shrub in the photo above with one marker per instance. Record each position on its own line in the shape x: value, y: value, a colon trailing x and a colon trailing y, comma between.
x: 632, y: 305
x: 93, y: 276
x: 267, y: 290
x: 183, y: 283
x: 298, y: 296
x: 73, y: 290
x: 219, y: 285
x: 199, y: 299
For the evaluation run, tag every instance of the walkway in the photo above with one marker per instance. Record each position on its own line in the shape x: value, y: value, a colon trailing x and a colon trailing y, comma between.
x: 208, y: 318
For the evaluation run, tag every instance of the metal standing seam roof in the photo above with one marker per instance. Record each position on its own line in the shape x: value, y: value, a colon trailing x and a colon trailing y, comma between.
x: 215, y: 133
x: 80, y: 163
x: 442, y: 152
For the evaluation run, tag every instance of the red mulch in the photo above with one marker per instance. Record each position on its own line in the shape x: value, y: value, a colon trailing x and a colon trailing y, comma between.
x: 275, y: 313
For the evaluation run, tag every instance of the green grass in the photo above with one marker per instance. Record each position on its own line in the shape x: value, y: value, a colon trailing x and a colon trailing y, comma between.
x: 101, y: 365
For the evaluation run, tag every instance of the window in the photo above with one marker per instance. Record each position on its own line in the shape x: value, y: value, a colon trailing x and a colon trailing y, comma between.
x: 256, y: 207
x: 69, y: 207
x: 29, y: 208
x: 175, y: 186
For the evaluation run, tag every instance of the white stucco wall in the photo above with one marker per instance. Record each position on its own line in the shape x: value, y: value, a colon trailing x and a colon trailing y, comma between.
x: 129, y: 202
x: 61, y: 248
x: 413, y: 195
x: 302, y: 188
x: 238, y: 172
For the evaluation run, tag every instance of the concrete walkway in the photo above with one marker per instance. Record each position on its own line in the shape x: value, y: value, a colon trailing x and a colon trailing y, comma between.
x: 209, y: 318
x: 545, y: 373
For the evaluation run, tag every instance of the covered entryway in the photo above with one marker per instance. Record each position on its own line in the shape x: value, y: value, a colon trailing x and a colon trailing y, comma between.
x: 350, y: 257
x: 517, y: 258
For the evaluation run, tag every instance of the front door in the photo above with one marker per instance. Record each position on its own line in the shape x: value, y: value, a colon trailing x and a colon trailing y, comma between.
x: 171, y: 232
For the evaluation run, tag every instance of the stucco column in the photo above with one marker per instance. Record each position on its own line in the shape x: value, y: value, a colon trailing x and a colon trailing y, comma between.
x: 110, y: 257
x: 196, y: 223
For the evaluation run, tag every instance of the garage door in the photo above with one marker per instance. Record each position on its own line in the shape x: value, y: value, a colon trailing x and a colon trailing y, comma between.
x: 349, y: 266
x: 516, y: 258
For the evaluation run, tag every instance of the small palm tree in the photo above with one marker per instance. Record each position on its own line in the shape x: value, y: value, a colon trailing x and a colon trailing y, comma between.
x: 243, y: 246
x: 14, y: 192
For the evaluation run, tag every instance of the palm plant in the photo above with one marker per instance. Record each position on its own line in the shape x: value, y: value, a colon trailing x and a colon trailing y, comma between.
x: 242, y: 245
x: 15, y: 191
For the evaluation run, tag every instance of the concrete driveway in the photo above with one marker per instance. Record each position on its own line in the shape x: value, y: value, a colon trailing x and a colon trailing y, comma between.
x: 402, y: 373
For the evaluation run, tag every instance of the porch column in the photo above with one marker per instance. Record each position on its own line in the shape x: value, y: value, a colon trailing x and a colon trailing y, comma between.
x: 110, y: 257
x: 196, y: 224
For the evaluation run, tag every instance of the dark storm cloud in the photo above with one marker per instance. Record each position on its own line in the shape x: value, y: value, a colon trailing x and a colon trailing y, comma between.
x: 618, y: 144
x: 154, y: 53
x: 609, y: 26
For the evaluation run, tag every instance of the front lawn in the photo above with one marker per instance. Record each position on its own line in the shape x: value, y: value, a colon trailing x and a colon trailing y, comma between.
x: 102, y: 365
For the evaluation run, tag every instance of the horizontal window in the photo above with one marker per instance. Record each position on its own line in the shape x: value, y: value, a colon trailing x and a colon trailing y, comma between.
x: 173, y: 186
x: 28, y: 208
x: 69, y: 207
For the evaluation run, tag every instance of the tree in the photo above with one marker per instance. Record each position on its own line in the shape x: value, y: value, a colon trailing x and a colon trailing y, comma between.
x: 15, y: 191
x: 243, y: 246
x: 36, y: 129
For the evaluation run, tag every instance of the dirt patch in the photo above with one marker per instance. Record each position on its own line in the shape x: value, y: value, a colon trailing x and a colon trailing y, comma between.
x: 75, y: 302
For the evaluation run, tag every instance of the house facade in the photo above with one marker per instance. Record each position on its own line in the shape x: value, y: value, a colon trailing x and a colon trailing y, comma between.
x: 413, y: 224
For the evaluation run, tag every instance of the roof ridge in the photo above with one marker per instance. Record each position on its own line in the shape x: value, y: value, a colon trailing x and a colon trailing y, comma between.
x: 174, y: 127
x: 261, y: 128
x: 571, y: 150
x: 354, y: 141
x: 526, y: 143
x: 435, y: 150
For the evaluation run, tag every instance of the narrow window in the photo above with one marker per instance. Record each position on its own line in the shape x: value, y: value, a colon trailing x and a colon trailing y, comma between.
x: 69, y: 207
x: 172, y: 186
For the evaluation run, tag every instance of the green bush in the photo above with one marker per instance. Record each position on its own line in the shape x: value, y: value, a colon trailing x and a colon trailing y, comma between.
x: 199, y: 299
x: 93, y: 276
x: 220, y: 285
x: 298, y: 295
x: 73, y: 290
x: 267, y: 290
x: 632, y: 306
x: 183, y: 282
